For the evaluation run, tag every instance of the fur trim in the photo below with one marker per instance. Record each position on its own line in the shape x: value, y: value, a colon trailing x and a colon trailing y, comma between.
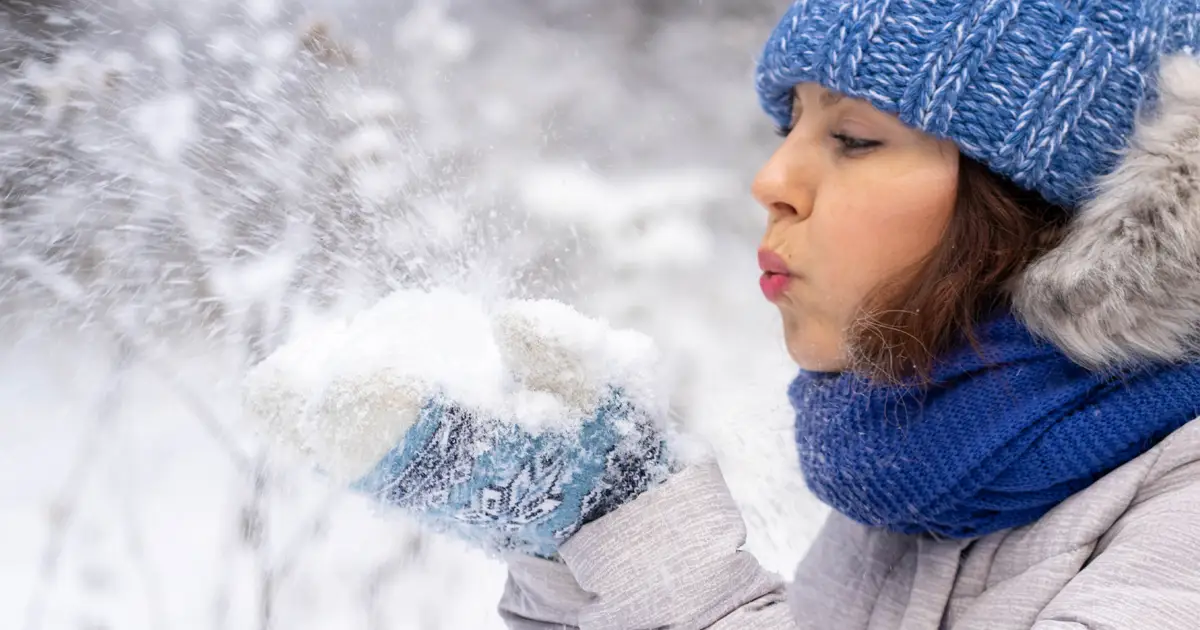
x: 1124, y: 285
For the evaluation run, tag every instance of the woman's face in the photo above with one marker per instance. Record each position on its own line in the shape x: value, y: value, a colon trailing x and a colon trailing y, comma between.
x: 854, y: 199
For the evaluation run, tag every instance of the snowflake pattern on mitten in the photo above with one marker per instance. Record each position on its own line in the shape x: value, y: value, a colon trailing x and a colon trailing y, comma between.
x: 508, y: 489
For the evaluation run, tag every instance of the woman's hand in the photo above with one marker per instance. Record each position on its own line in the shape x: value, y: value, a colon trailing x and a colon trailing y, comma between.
x: 572, y: 429
x: 504, y: 487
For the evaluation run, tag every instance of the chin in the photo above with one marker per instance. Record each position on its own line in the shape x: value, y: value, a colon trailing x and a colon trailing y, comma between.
x: 814, y: 348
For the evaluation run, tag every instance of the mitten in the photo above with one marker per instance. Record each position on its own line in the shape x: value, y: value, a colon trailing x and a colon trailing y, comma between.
x: 551, y: 420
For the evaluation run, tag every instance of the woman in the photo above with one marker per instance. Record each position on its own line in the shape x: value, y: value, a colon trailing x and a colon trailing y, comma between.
x: 984, y: 241
x: 981, y: 479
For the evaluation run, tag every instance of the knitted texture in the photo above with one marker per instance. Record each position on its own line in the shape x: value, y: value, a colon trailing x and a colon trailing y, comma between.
x: 1004, y: 436
x: 1045, y: 92
x: 505, y: 489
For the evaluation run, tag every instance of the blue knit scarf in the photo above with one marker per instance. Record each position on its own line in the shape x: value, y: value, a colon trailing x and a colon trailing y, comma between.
x: 1001, y: 438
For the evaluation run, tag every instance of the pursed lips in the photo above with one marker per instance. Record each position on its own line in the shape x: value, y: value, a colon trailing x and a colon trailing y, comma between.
x: 775, y: 277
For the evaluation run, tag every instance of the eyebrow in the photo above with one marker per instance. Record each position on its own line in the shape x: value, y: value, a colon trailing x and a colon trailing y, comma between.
x: 828, y: 99
x: 831, y: 98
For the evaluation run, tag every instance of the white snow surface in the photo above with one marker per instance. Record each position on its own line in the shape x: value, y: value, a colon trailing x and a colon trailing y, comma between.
x: 190, y: 186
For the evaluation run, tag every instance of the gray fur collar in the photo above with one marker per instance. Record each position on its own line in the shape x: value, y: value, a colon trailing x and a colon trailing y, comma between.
x: 1124, y: 285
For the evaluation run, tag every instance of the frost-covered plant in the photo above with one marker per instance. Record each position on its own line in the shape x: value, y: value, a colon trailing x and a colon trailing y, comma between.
x: 182, y: 181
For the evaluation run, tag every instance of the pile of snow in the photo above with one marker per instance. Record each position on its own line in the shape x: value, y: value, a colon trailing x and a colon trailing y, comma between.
x: 344, y: 392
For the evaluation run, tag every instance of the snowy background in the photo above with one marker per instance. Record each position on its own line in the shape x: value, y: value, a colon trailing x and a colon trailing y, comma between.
x: 184, y: 183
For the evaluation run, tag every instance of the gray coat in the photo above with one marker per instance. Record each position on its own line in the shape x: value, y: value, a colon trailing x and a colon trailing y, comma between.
x: 1122, y: 554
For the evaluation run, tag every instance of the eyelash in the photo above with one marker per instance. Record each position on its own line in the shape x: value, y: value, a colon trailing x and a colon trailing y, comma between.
x: 849, y: 143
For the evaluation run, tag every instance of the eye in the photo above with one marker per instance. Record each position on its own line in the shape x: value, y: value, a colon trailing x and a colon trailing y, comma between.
x: 851, y: 143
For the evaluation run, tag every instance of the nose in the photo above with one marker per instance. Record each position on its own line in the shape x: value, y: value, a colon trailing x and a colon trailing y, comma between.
x: 783, y: 186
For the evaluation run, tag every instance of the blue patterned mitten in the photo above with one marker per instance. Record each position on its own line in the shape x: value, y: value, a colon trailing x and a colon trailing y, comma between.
x: 496, y: 484
x: 509, y: 429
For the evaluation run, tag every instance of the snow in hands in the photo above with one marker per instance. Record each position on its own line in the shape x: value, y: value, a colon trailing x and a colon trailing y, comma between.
x: 511, y: 427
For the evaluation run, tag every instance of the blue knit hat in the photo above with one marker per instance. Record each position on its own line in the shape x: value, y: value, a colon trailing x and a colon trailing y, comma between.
x: 1045, y: 92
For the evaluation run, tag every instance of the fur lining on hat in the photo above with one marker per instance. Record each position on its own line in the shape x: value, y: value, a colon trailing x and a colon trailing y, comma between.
x: 1123, y: 288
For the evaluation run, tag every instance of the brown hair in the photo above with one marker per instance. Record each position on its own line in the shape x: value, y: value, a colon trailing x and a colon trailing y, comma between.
x: 996, y: 230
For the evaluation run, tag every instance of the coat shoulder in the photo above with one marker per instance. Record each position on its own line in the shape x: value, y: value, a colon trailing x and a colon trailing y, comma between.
x: 1178, y: 458
x: 1090, y: 517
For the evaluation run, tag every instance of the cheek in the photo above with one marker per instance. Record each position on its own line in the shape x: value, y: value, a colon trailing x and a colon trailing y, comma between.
x: 871, y: 233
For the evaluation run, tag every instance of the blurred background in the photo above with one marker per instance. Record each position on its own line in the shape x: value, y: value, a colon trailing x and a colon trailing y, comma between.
x: 186, y: 183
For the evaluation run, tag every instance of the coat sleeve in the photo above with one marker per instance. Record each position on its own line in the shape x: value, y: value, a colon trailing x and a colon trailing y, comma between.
x: 673, y: 558
x: 1146, y: 570
x: 541, y: 595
